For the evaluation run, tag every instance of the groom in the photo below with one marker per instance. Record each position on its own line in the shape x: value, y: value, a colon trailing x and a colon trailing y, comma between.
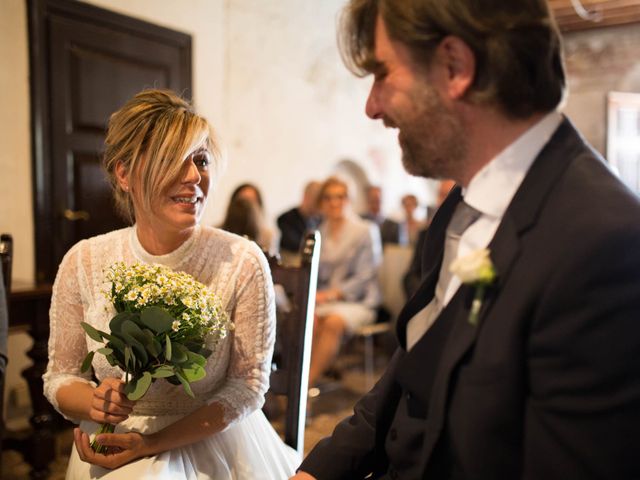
x: 544, y: 383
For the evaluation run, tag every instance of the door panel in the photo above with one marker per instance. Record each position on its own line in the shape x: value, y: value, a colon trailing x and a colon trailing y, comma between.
x: 86, y: 62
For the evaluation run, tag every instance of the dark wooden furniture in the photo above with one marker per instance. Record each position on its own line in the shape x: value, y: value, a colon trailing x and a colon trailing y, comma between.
x: 28, y: 307
x: 6, y: 259
x: 295, y: 301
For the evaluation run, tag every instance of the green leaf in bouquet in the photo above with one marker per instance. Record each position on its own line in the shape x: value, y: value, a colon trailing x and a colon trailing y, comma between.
x: 92, y: 332
x: 163, y: 371
x: 131, y: 328
x: 138, y: 386
x: 105, y: 351
x: 154, y: 348
x: 185, y: 383
x: 114, y: 342
x: 157, y: 319
x: 179, y: 353
x: 115, y: 325
x: 152, y: 345
x: 196, y: 358
x: 86, y: 363
x: 194, y: 372
x: 137, y: 347
x: 167, y: 348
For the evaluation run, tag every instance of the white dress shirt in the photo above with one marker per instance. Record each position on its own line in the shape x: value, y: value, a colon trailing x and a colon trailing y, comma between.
x: 490, y: 192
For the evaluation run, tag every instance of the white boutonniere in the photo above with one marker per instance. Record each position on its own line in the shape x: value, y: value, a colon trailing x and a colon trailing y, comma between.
x: 475, y: 269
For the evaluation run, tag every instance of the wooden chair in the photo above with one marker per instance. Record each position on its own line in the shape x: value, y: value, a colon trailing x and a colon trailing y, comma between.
x: 6, y: 257
x: 295, y: 301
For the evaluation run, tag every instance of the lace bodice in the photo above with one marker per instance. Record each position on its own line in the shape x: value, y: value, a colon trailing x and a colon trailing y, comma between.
x: 233, y: 268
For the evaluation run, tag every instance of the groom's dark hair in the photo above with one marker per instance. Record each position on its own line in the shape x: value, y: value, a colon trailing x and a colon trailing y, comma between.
x: 516, y: 45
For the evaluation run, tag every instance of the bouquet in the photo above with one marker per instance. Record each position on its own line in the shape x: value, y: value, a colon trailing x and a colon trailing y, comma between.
x: 162, y: 327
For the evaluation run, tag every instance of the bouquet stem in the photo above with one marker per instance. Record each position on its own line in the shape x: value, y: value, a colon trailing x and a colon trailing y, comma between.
x: 104, y: 428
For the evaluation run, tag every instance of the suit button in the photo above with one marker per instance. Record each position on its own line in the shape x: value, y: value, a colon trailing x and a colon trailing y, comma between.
x: 408, y: 397
x: 393, y: 434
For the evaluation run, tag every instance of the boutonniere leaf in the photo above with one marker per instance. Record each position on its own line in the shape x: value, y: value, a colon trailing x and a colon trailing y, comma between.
x: 475, y: 269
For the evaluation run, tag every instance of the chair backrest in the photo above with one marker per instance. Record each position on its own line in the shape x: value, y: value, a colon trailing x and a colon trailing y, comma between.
x: 6, y: 257
x: 6, y: 254
x: 295, y: 301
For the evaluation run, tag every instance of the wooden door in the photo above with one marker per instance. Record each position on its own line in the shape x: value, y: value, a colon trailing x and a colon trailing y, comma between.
x: 85, y: 63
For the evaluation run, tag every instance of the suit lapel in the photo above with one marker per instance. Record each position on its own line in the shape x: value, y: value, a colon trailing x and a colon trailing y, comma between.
x: 433, y: 249
x: 520, y: 216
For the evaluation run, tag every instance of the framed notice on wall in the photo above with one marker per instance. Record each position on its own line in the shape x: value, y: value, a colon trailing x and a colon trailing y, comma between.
x: 623, y: 136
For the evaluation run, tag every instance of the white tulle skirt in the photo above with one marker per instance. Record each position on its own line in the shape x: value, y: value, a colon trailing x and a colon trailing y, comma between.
x: 250, y: 449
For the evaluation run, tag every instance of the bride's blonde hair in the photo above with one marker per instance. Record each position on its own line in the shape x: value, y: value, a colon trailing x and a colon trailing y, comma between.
x: 150, y: 136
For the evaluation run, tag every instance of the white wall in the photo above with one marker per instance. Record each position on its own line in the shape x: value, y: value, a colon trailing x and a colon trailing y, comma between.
x: 16, y: 205
x: 293, y: 110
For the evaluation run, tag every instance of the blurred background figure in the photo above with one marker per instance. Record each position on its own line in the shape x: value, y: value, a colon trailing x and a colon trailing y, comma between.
x: 242, y: 218
x: 348, y: 291
x: 410, y: 226
x: 250, y: 192
x: 413, y: 277
x: 4, y: 331
x: 295, y: 222
x: 389, y: 230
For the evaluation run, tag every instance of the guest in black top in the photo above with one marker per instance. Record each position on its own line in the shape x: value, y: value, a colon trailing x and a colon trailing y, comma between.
x: 295, y: 222
x: 389, y: 230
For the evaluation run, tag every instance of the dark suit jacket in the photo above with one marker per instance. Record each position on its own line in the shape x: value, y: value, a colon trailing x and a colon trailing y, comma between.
x: 293, y: 225
x: 389, y: 230
x: 547, y: 385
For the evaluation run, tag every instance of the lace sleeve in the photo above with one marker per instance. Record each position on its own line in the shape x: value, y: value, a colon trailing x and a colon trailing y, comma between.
x: 67, y: 343
x: 254, y: 335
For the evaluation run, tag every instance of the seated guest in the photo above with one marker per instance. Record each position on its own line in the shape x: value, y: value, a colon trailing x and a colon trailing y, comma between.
x: 250, y: 192
x: 243, y: 219
x: 410, y: 226
x: 413, y: 277
x: 295, y: 222
x: 348, y: 290
x: 389, y: 230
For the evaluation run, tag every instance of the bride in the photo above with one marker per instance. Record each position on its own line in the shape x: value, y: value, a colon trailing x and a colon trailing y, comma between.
x: 159, y: 157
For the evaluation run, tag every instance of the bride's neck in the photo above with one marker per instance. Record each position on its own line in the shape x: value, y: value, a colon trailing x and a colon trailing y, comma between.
x: 161, y: 242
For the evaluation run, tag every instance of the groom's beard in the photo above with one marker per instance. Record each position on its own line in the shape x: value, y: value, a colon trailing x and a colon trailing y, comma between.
x: 431, y: 137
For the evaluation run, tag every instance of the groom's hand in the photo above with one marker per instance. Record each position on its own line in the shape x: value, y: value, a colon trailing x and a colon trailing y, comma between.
x: 109, y: 403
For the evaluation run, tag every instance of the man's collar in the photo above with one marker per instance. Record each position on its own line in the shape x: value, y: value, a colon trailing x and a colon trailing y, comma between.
x: 492, y: 188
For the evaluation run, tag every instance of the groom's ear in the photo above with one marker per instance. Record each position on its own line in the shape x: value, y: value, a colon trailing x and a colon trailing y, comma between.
x: 459, y: 64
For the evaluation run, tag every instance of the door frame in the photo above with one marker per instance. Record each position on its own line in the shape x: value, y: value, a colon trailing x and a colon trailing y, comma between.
x: 38, y: 12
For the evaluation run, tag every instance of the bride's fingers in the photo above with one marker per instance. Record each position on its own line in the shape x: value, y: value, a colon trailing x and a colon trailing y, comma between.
x: 119, y: 398
x: 108, y: 406
x: 102, y: 417
x: 81, y: 440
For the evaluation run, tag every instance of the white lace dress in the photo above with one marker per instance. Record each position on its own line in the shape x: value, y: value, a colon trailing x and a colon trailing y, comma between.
x: 237, y: 371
